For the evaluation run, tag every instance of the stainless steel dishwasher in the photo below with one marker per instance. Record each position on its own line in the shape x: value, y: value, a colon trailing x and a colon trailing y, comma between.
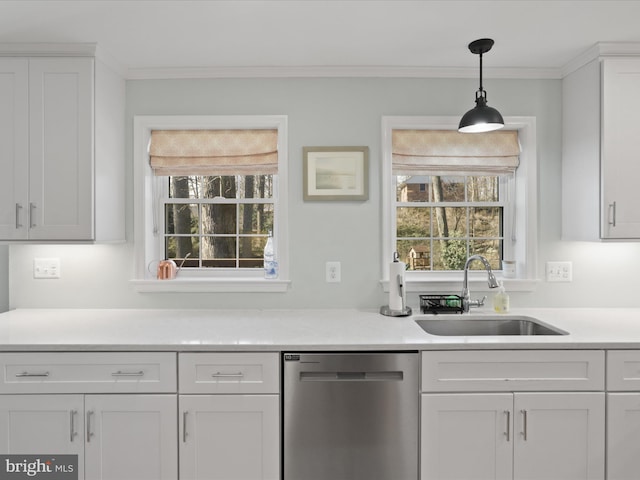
x: 350, y: 416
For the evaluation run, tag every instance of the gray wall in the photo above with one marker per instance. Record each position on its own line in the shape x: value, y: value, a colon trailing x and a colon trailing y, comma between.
x: 333, y: 112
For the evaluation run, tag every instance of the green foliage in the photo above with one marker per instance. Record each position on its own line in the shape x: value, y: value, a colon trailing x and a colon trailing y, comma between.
x: 454, y: 253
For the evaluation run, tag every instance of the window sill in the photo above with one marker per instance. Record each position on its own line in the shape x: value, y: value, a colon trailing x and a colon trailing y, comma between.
x: 442, y: 285
x: 211, y: 285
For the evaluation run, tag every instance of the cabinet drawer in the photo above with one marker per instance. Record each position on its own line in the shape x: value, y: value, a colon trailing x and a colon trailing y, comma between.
x: 513, y: 370
x: 100, y: 372
x: 623, y: 370
x: 229, y: 373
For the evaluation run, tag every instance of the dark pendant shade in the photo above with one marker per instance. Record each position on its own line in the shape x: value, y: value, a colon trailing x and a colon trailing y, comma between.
x: 481, y: 118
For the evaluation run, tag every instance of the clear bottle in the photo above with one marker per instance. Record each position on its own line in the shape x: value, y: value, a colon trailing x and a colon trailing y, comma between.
x: 270, y: 264
x: 501, y: 300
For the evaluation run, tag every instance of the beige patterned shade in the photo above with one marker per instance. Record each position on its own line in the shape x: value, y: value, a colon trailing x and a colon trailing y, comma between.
x: 437, y: 152
x: 214, y: 152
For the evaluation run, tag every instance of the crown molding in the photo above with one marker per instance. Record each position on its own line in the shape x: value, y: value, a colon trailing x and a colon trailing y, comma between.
x: 337, y: 72
x: 48, y: 49
x: 602, y: 49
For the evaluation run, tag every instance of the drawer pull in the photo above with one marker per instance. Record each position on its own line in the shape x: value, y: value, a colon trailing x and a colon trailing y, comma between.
x: 72, y: 426
x: 184, y: 426
x: 27, y: 374
x: 508, y: 431
x: 227, y: 375
x: 120, y: 373
x: 89, y: 432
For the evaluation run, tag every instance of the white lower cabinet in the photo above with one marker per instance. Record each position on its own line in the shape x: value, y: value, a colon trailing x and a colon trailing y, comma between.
x: 229, y: 416
x: 498, y: 426
x: 227, y: 437
x: 623, y: 415
x: 546, y: 436
x: 131, y: 437
x: 43, y: 424
x: 116, y: 437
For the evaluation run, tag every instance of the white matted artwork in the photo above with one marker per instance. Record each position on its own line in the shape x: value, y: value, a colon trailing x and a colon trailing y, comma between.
x: 335, y: 173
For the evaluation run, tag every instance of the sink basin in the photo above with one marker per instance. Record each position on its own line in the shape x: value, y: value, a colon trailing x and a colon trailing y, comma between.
x: 486, y: 325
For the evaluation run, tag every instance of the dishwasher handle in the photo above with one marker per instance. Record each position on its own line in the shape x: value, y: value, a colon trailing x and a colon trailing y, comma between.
x: 351, y: 376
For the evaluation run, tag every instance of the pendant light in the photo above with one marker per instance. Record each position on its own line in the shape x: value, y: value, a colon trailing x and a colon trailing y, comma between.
x: 481, y: 118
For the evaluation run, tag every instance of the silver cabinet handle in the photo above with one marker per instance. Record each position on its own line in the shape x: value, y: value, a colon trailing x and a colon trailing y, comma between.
x: 72, y: 426
x: 184, y: 426
x: 32, y: 207
x: 524, y: 424
x: 120, y: 373
x: 508, y: 431
x: 612, y: 214
x: 18, y: 208
x: 89, y: 432
x: 27, y: 374
x: 227, y: 375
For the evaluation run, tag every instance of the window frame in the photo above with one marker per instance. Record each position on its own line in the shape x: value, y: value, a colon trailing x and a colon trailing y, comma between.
x: 522, y: 246
x: 149, y: 247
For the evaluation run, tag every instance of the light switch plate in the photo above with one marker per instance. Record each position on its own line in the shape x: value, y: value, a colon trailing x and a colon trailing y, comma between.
x: 559, y: 272
x: 46, y: 268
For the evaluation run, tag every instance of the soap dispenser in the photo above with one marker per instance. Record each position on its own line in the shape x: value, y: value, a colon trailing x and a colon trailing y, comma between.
x: 501, y: 300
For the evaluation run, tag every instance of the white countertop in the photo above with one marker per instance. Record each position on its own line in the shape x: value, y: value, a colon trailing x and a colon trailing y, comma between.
x: 277, y: 330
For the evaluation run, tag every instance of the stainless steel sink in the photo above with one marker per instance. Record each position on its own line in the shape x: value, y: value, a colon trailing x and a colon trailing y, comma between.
x: 487, y: 325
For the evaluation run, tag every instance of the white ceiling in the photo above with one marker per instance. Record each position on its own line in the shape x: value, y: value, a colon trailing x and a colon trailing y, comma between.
x: 142, y: 35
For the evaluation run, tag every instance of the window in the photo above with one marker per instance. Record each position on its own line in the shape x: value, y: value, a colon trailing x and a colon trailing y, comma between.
x: 438, y: 227
x: 209, y: 199
x: 441, y: 210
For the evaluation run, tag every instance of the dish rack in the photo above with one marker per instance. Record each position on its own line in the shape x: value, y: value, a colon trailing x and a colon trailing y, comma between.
x: 441, y: 304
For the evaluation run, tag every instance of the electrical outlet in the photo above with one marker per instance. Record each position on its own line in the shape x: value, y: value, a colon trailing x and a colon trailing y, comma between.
x: 559, y: 272
x: 46, y: 268
x: 333, y: 272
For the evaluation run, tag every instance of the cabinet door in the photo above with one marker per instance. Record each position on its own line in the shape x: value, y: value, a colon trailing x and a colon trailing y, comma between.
x: 623, y: 436
x: 229, y: 437
x: 559, y: 436
x: 131, y: 437
x: 43, y: 425
x: 620, y: 144
x: 14, y: 148
x: 61, y: 154
x: 466, y: 436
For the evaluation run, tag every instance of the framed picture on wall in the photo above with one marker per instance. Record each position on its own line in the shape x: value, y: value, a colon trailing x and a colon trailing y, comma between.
x: 335, y: 173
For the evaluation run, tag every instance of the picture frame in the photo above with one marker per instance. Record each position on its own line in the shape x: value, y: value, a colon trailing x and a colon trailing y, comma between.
x: 335, y: 173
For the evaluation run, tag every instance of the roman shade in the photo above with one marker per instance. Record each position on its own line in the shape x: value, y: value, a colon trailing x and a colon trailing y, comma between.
x: 439, y: 152
x: 213, y: 152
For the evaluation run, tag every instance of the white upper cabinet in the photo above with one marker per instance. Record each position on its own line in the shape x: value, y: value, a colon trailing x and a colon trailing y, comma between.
x: 601, y: 139
x: 61, y: 183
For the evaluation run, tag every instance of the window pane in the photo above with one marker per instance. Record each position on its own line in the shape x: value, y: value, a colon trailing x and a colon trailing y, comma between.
x: 181, y: 218
x: 450, y: 222
x: 448, y: 189
x: 251, y: 251
x: 219, y: 219
x: 415, y: 253
x: 413, y: 188
x: 483, y: 189
x: 179, y: 247
x: 413, y: 222
x: 486, y: 222
x: 490, y: 249
x: 219, y: 186
x: 183, y: 187
x: 256, y: 218
x: 450, y: 253
x: 255, y: 186
x: 218, y: 251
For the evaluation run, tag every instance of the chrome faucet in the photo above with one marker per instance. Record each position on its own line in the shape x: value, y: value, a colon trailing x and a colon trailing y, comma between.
x: 466, y: 295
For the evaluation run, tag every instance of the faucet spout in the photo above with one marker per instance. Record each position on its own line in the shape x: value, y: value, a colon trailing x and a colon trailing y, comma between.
x: 466, y: 295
